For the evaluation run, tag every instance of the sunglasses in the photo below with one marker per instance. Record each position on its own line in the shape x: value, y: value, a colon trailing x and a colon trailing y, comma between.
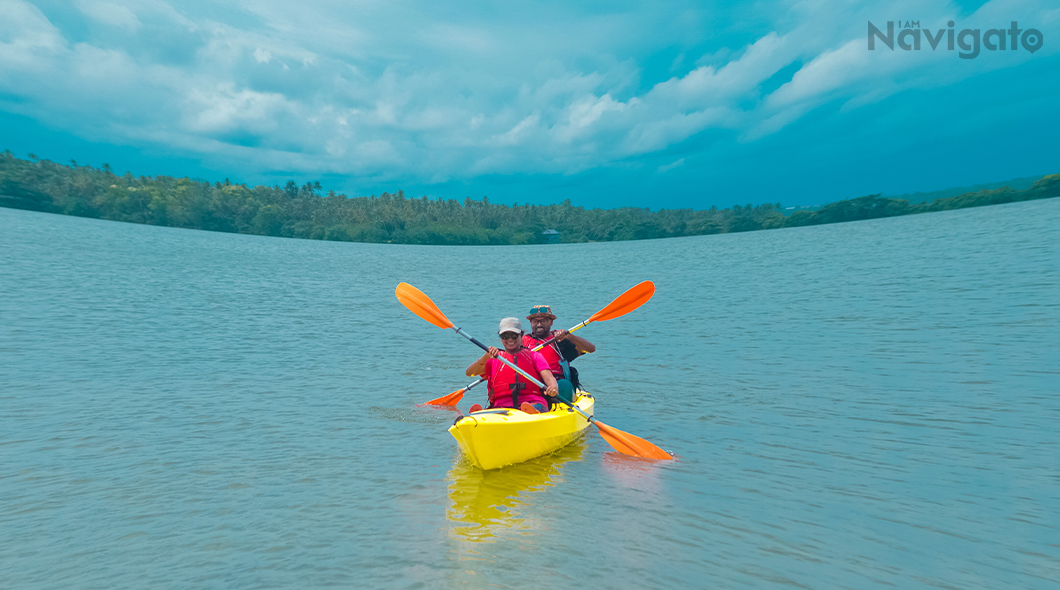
x: 542, y: 309
x: 509, y: 336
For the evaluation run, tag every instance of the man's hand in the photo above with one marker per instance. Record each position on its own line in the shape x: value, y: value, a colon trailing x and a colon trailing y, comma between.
x: 551, y: 391
x: 580, y: 343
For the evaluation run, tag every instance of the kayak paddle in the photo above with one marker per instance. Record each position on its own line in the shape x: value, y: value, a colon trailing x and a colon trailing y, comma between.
x: 620, y: 440
x: 623, y: 442
x: 634, y: 297
x: 451, y: 399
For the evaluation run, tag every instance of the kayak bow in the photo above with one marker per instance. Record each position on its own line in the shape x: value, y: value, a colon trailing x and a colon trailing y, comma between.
x: 503, y: 436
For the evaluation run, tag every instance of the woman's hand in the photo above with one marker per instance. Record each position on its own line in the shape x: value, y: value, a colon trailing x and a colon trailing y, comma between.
x: 479, y: 365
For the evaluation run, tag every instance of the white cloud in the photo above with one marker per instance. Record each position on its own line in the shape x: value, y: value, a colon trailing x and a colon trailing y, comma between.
x: 827, y: 72
x: 27, y: 39
x: 668, y: 167
x: 655, y: 135
x: 707, y: 86
x: 225, y: 109
x: 582, y: 114
x: 109, y: 13
x: 379, y: 152
x: 104, y: 70
x: 520, y: 132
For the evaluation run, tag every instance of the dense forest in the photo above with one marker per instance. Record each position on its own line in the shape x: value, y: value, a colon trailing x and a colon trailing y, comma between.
x: 303, y: 211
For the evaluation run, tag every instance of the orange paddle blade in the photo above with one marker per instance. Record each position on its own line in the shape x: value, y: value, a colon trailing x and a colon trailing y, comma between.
x: 635, y: 297
x: 421, y: 305
x: 626, y: 443
x: 449, y: 399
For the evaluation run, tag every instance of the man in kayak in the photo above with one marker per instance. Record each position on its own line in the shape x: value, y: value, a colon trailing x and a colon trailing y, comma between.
x: 562, y: 350
x: 507, y: 388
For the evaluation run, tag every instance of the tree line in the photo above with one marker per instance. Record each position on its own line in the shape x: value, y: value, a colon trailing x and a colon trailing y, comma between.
x: 304, y: 211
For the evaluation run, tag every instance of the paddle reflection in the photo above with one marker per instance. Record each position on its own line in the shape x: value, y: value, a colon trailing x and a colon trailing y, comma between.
x: 483, y: 503
x: 632, y: 472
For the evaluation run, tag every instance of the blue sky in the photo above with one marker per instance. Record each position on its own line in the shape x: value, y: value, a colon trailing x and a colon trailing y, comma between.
x: 670, y: 104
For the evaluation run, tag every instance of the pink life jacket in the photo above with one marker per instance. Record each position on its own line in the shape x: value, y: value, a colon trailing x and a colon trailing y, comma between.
x: 556, y: 363
x: 504, y: 381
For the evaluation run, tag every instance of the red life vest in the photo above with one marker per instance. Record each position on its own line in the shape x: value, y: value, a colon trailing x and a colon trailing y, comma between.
x: 505, y: 380
x: 556, y: 362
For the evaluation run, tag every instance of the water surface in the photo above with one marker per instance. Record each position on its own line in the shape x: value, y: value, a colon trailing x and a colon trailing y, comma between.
x: 870, y: 404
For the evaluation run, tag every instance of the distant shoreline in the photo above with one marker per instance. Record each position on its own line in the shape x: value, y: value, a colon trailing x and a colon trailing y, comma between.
x: 304, y: 212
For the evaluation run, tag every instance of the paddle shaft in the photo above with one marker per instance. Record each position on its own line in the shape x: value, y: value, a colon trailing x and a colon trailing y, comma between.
x: 553, y: 339
x: 576, y: 409
x: 480, y: 380
x: 536, y: 382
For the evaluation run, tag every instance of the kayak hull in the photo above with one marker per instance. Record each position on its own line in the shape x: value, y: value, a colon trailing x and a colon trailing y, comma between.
x: 498, y: 437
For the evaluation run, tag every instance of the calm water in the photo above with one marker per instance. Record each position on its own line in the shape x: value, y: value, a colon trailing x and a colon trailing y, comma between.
x: 870, y: 404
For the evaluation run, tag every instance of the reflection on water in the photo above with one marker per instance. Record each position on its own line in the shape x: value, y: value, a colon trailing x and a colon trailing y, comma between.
x: 632, y: 472
x: 483, y: 503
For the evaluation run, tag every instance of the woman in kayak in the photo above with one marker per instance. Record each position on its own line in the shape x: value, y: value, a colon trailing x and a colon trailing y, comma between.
x: 507, y: 388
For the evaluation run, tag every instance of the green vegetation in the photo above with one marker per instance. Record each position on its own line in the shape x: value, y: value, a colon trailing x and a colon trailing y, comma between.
x: 302, y: 212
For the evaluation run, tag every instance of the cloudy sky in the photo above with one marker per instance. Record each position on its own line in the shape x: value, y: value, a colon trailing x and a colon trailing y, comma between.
x: 651, y: 104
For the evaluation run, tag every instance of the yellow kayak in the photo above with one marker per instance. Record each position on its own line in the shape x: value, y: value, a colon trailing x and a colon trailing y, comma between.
x: 502, y: 436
